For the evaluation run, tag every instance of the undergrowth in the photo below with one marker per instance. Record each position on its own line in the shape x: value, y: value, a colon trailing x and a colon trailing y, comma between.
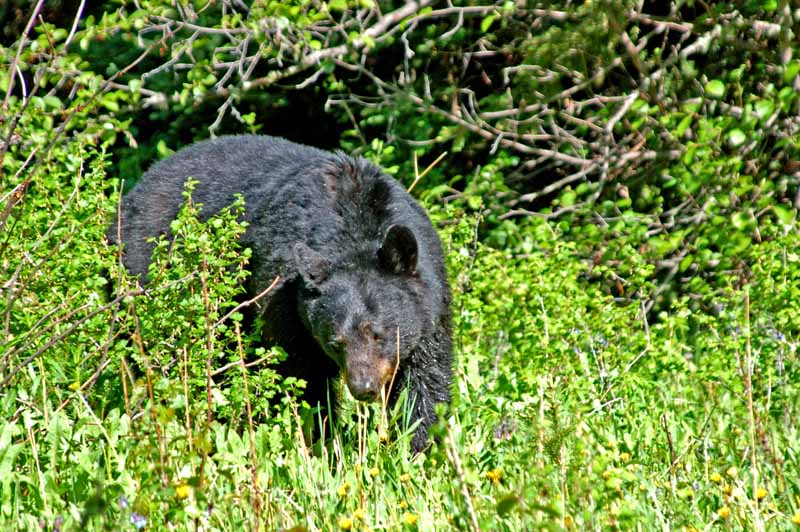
x: 126, y: 408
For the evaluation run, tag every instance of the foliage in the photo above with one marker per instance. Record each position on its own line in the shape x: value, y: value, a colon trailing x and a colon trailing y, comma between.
x: 675, y: 128
x: 617, y: 199
x: 631, y: 421
x: 552, y: 373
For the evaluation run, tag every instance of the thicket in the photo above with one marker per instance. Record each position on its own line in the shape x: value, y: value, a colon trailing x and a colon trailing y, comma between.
x: 617, y: 187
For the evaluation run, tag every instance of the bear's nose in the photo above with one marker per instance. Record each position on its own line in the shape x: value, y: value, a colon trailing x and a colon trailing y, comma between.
x: 363, y: 386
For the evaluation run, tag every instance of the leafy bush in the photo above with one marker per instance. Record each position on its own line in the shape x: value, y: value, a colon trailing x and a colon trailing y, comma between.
x: 619, y: 214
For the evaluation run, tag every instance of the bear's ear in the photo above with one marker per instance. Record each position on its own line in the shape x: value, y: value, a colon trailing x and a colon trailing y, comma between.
x: 398, y: 252
x: 313, y: 267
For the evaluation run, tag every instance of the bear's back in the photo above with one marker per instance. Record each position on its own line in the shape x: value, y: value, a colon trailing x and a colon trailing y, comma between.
x: 332, y: 202
x: 255, y: 166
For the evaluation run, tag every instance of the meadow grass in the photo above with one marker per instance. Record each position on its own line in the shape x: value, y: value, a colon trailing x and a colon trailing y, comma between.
x: 572, y: 409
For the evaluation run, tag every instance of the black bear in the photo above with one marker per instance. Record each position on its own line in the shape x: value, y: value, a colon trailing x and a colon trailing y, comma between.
x: 361, y: 267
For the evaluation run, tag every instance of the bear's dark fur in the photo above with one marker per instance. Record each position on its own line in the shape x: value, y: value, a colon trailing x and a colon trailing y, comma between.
x: 358, y: 258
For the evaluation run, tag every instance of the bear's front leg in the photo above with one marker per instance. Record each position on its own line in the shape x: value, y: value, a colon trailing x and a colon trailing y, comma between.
x: 428, y: 376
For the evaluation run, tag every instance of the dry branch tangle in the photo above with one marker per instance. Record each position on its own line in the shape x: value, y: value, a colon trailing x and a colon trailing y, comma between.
x: 577, y: 133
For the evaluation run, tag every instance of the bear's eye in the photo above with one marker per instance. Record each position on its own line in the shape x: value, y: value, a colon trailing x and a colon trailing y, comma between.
x: 371, y: 331
x: 377, y: 337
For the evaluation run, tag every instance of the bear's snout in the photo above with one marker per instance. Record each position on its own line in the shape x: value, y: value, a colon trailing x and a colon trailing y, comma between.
x: 366, y: 378
x: 363, y: 385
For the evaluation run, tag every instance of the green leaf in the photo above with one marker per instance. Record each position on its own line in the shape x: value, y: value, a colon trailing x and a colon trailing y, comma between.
x: 736, y: 74
x: 764, y: 109
x: 740, y: 220
x: 683, y: 126
x: 786, y: 215
x: 686, y: 262
x: 736, y: 137
x: 163, y: 150
x: 486, y: 23
x: 715, y: 88
x: 249, y: 118
x: 52, y: 102
x: 111, y: 105
x: 792, y: 70
x: 688, y: 156
x: 369, y: 42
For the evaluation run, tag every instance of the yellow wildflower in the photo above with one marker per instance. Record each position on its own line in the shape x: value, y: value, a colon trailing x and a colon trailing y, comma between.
x: 409, y: 518
x: 732, y: 472
x: 346, y: 523
x: 358, y: 514
x: 374, y: 472
x: 716, y: 478
x: 343, y: 489
x: 495, y: 475
x: 405, y: 477
x: 796, y: 519
x: 761, y: 493
x: 724, y: 512
x: 183, y: 491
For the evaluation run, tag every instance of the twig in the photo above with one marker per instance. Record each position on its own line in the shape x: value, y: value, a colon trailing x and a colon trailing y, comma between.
x: 672, y: 458
x: 15, y: 62
x: 230, y: 365
x: 256, y: 501
x: 748, y: 383
x: 419, y: 176
x: 75, y: 22
x: 11, y: 199
x: 14, y: 288
x: 247, y: 303
x: 75, y: 326
x: 452, y: 452
x: 63, y: 335
x: 624, y: 108
x: 162, y: 451
x: 209, y: 362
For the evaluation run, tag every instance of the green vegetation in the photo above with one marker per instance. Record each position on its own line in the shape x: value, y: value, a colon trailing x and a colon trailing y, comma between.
x: 617, y: 196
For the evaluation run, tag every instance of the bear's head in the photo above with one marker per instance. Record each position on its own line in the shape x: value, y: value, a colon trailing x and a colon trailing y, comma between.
x: 367, y: 314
